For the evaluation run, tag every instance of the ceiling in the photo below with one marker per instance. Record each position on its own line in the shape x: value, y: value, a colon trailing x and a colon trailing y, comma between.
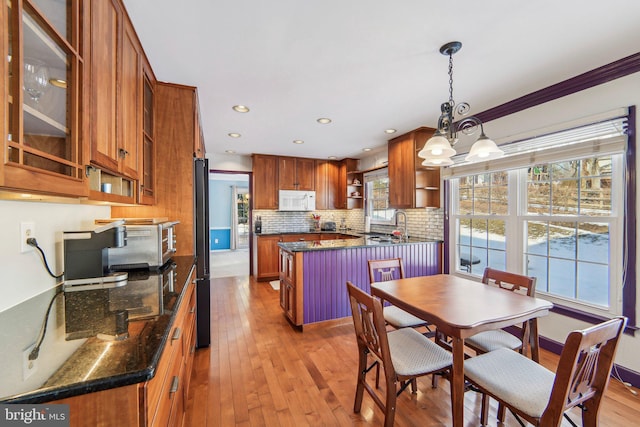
x: 368, y: 65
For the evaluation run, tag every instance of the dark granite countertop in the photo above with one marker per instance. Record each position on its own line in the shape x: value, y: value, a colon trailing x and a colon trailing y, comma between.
x: 100, y: 364
x: 360, y: 242
x: 338, y: 231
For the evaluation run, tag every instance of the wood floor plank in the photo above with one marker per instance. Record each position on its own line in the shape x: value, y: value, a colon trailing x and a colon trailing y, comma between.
x: 261, y: 371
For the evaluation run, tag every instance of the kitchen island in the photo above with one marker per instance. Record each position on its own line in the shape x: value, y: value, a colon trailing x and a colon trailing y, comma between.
x: 313, y: 274
x: 139, y: 377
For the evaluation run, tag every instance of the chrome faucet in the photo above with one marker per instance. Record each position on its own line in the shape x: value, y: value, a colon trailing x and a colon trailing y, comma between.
x: 404, y: 222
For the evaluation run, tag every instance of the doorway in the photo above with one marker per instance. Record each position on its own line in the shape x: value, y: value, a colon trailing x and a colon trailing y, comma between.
x: 230, y: 223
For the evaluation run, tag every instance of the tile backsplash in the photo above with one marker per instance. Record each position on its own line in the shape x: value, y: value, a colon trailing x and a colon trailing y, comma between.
x: 422, y: 223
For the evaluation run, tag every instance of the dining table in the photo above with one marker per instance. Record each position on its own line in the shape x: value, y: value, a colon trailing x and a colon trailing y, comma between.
x: 459, y: 308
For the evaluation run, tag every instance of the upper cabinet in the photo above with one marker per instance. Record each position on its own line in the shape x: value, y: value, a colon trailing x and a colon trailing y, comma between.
x: 327, y: 184
x: 78, y: 109
x: 175, y: 130
x: 352, y: 180
x: 412, y: 185
x: 42, y: 67
x: 117, y: 84
x: 265, y: 181
x: 296, y: 173
x: 147, y: 169
x: 198, y: 146
x: 106, y: 23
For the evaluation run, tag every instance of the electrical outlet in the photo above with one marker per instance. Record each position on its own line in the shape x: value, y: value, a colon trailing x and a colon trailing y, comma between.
x: 27, y: 230
x: 215, y: 241
x: 29, y: 367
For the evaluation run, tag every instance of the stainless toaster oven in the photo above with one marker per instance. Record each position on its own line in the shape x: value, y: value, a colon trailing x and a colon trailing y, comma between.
x: 147, y: 246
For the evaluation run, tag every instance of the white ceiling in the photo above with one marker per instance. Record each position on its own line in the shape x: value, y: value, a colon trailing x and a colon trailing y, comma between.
x: 368, y: 65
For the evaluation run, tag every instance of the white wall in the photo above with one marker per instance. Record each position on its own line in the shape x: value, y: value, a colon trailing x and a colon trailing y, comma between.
x: 622, y: 92
x: 23, y: 274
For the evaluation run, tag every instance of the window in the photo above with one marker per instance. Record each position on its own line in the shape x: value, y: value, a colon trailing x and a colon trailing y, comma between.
x: 376, y: 193
x: 560, y: 220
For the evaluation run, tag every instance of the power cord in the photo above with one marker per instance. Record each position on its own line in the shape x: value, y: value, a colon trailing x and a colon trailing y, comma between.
x: 31, y: 241
x: 626, y: 384
x: 33, y: 355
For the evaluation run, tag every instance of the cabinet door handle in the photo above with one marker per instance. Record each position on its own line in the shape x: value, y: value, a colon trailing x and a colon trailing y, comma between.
x: 123, y: 153
x: 175, y: 383
x: 176, y: 334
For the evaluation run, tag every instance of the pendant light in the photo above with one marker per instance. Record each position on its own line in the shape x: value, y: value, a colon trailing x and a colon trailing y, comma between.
x: 438, y: 150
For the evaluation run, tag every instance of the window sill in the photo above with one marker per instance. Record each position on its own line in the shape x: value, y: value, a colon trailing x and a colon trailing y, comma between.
x: 585, y: 316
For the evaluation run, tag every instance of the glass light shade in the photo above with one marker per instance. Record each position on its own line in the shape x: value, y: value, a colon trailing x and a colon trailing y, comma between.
x: 435, y: 161
x: 437, y: 147
x: 484, y: 149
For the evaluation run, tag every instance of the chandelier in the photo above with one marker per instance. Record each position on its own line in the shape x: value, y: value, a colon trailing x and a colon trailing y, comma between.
x: 438, y: 150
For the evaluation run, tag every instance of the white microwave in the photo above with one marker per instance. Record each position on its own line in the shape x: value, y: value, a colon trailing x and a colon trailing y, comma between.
x: 293, y: 200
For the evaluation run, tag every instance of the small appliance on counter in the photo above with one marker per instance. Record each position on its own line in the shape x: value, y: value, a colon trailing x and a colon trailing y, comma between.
x: 150, y: 244
x: 328, y: 226
x: 258, y: 225
x: 85, y: 257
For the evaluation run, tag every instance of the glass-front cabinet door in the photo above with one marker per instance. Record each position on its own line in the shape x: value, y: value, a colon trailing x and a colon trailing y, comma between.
x: 43, y: 144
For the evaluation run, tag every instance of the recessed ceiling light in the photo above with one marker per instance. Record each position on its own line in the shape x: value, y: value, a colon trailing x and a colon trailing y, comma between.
x: 241, y: 108
x: 324, y: 120
x: 390, y: 131
x: 229, y: 151
x: 366, y: 149
x: 234, y: 135
x: 332, y: 157
x: 298, y: 141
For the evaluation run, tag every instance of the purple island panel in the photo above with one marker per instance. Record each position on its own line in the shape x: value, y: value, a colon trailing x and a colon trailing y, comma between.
x: 326, y: 272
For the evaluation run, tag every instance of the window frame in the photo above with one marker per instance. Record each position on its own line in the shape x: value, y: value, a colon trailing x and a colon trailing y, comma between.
x: 626, y: 222
x: 368, y: 178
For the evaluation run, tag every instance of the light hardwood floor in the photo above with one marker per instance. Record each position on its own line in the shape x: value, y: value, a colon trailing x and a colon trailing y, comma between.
x: 259, y: 371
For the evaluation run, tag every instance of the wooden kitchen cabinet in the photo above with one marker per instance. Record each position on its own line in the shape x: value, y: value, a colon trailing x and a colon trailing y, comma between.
x: 327, y: 174
x: 266, y: 257
x: 146, y: 192
x: 43, y: 96
x: 118, y: 75
x: 198, y: 146
x: 353, y: 182
x: 175, y: 129
x: 164, y: 396
x: 129, y: 105
x: 291, y: 286
x: 265, y: 181
x: 296, y: 173
x: 412, y: 185
x: 106, y: 24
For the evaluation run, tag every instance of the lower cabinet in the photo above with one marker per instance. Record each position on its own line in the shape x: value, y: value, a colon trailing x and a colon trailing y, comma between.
x: 265, y: 248
x: 160, y: 401
x: 164, y: 396
x: 290, y: 293
x: 266, y: 257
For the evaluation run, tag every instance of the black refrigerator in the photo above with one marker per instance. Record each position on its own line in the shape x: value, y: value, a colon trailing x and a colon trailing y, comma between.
x: 201, y: 233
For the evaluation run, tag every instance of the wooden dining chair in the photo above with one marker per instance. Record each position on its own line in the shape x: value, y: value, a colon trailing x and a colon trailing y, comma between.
x: 538, y: 395
x: 403, y: 354
x: 487, y: 341
x: 390, y: 269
